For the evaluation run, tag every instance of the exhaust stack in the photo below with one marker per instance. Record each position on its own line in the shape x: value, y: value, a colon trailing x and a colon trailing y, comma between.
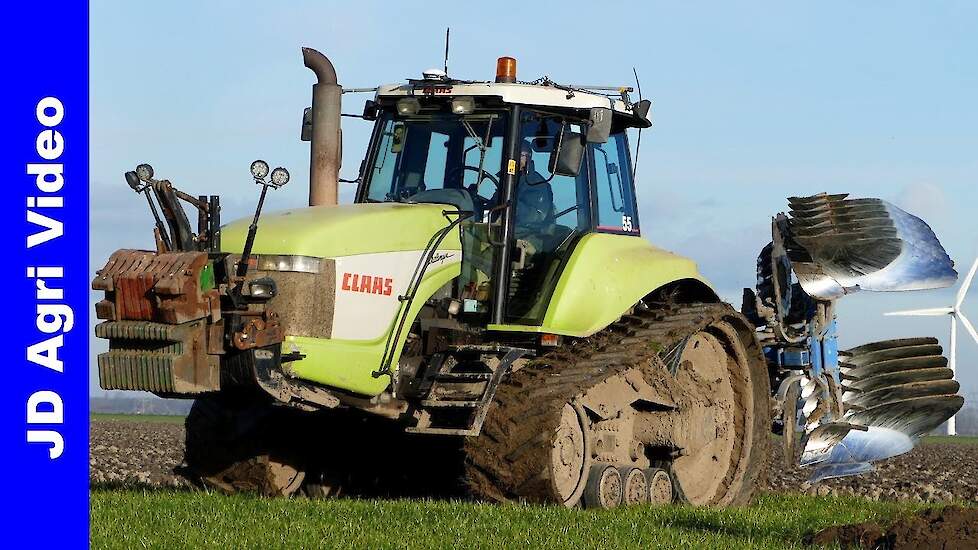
x: 325, y: 148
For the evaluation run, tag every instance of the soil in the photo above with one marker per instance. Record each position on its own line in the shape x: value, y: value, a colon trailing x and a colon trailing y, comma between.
x: 949, y: 528
x: 931, y: 473
x: 130, y: 452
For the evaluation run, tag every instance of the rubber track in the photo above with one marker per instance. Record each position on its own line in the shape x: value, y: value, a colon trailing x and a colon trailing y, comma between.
x: 509, y: 459
x: 227, y: 447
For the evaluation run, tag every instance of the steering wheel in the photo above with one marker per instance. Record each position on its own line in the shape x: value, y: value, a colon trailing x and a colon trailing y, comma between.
x: 473, y: 189
x: 485, y: 174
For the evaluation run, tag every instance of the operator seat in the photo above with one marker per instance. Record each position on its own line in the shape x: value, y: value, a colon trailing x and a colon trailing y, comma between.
x: 535, y: 215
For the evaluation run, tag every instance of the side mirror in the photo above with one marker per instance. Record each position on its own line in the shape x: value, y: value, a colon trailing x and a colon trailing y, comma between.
x: 565, y: 159
x: 599, y: 128
x: 371, y: 110
x: 641, y: 109
x: 306, y: 133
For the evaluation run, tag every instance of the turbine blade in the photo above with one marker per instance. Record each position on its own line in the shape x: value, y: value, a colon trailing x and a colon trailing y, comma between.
x: 968, y: 326
x: 934, y: 311
x: 959, y: 299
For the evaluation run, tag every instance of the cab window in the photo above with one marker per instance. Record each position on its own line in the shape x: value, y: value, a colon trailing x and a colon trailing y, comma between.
x: 614, y: 192
x: 437, y: 157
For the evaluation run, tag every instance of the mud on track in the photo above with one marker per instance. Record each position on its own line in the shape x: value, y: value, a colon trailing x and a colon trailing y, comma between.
x: 133, y: 452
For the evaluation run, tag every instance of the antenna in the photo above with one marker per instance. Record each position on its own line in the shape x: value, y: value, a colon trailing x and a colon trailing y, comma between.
x: 448, y: 31
x: 956, y: 314
x: 638, y: 142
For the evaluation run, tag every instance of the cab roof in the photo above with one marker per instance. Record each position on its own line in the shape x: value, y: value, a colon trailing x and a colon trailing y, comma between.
x: 543, y: 94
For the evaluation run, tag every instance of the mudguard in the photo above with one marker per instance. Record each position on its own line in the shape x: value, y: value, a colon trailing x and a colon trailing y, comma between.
x: 606, y: 275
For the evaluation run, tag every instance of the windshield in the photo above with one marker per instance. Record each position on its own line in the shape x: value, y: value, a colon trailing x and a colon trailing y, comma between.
x: 439, y: 157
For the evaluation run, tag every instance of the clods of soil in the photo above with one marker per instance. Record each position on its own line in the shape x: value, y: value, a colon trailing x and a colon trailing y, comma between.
x: 948, y: 528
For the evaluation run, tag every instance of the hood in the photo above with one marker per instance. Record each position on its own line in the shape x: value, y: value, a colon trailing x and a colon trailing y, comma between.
x: 346, y: 230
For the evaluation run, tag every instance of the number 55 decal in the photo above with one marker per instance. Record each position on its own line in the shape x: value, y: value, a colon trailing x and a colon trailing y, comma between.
x: 626, y: 223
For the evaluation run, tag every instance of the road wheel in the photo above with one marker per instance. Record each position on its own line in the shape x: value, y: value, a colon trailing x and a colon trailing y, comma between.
x: 605, y: 488
x: 660, y: 486
x: 636, y: 486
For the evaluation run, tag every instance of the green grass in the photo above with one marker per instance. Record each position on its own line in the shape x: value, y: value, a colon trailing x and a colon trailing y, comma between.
x: 168, y: 519
x: 173, y: 419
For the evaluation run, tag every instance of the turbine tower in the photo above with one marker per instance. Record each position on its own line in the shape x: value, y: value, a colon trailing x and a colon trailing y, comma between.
x: 956, y: 315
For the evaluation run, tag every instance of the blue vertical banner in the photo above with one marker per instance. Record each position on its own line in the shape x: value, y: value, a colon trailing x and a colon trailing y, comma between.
x: 45, y: 274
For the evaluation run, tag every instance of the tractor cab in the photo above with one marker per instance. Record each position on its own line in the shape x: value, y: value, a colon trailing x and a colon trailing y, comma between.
x: 529, y: 168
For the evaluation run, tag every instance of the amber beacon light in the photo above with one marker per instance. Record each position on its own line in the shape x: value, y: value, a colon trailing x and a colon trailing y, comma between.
x: 505, y: 69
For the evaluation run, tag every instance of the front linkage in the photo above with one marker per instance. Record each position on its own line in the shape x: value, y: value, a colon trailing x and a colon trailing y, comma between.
x: 174, y: 315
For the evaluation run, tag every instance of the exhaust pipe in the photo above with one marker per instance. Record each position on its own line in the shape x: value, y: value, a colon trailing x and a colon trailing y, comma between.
x: 324, y: 149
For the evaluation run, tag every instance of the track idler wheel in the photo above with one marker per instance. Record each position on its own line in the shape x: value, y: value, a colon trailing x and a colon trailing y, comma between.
x: 570, y: 457
x: 605, y: 487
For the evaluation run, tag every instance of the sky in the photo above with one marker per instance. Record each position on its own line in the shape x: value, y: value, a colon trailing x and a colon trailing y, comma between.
x: 752, y: 103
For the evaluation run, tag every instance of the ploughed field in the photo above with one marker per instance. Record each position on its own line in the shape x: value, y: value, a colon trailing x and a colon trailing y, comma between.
x: 143, y: 451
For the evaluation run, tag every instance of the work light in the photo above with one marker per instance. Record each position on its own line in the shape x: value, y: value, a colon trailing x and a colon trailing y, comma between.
x: 280, y: 176
x: 144, y: 171
x: 408, y: 106
x: 463, y: 105
x: 259, y: 169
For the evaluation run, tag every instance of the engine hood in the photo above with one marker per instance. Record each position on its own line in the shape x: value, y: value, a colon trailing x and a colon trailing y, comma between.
x: 346, y: 230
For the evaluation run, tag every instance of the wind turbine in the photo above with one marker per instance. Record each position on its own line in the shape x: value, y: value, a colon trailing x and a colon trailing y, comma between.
x: 956, y: 315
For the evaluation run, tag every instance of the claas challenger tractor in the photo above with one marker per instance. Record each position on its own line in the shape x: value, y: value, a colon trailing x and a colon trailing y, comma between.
x: 488, y: 301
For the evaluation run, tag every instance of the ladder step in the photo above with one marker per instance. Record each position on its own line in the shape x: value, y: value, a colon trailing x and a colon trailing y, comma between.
x: 463, y: 376
x: 442, y: 431
x: 434, y: 404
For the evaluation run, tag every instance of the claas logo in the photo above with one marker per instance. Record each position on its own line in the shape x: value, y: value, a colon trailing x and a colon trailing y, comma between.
x: 372, y: 284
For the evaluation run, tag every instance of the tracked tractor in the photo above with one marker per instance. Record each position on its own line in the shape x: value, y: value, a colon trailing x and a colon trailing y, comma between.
x: 488, y: 302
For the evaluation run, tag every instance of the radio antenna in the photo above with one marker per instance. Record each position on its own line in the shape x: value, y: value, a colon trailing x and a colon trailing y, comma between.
x: 448, y: 31
x: 638, y: 142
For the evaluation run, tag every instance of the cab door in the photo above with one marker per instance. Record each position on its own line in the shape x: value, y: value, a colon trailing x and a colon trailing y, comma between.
x: 551, y: 213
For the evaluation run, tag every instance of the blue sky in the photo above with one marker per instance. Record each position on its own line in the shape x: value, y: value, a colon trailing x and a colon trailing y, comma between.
x: 752, y: 103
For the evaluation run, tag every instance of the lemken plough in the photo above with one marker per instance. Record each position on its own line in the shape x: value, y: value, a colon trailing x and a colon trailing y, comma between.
x: 853, y: 407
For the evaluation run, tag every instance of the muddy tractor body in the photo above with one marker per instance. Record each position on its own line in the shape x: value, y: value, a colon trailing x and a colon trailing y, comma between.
x: 490, y: 287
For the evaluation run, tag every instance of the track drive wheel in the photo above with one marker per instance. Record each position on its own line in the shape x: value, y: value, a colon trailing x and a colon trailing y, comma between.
x: 721, y: 428
x: 570, y: 455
